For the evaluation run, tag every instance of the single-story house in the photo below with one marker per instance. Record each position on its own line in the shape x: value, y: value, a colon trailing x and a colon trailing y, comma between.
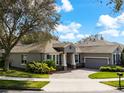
x: 90, y: 54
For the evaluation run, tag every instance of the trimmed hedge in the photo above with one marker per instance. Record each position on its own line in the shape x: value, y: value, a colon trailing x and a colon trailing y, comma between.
x: 41, y: 67
x: 112, y: 68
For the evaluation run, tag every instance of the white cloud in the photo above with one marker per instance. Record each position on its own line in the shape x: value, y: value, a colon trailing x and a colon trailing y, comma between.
x: 70, y: 32
x: 72, y: 27
x: 111, y: 32
x: 112, y: 26
x: 66, y: 6
x: 122, y: 33
x: 107, y: 22
x: 68, y: 36
x: 80, y: 36
x: 72, y: 36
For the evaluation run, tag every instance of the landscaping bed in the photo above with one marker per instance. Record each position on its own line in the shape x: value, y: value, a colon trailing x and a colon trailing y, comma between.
x: 114, y: 83
x: 23, y: 74
x: 22, y: 85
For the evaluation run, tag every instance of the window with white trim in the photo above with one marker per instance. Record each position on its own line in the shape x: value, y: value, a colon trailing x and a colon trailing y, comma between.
x: 54, y: 57
x: 24, y: 59
x: 42, y: 57
x: 48, y: 57
x: 77, y: 58
x: 57, y: 61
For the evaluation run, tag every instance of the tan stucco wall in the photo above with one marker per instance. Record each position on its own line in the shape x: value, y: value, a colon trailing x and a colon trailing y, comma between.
x: 15, y: 59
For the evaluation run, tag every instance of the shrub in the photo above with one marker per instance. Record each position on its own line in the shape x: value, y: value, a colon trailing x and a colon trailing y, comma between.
x: 111, y: 68
x: 37, y: 67
x: 50, y: 63
x: 52, y: 69
x: 105, y: 68
x: 41, y: 66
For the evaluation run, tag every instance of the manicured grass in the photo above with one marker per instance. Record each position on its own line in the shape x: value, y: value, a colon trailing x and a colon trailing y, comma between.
x: 19, y: 73
x: 104, y: 75
x: 114, y: 83
x: 13, y: 84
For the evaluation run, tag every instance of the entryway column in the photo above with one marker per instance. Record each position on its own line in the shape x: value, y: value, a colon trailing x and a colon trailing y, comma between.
x: 45, y: 57
x: 64, y: 61
x: 73, y: 61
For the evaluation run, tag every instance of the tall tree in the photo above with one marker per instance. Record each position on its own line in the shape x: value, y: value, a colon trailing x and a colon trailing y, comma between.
x: 18, y: 17
x: 37, y: 37
x: 118, y: 4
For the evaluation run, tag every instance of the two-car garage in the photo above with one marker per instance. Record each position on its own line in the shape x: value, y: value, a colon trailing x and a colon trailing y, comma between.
x: 95, y: 62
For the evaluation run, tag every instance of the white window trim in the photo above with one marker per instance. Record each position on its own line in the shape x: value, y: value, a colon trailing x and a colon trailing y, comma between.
x: 23, y: 59
x: 115, y: 57
x: 78, y: 58
x: 97, y: 57
x: 57, y: 60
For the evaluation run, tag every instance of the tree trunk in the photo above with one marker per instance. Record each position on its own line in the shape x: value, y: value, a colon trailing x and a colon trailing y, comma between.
x: 6, y: 59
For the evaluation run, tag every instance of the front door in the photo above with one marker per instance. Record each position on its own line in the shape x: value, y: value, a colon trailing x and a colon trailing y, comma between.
x: 69, y: 60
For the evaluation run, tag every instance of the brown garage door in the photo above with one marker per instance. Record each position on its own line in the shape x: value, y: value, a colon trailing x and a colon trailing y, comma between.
x: 95, y: 62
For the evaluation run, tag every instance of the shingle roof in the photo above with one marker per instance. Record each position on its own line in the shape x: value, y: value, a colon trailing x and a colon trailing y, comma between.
x: 89, y: 47
x: 28, y: 48
x: 97, y: 49
x: 97, y: 42
x: 34, y: 48
x: 61, y: 45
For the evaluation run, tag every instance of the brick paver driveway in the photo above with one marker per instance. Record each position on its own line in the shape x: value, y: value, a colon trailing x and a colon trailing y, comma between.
x: 75, y: 81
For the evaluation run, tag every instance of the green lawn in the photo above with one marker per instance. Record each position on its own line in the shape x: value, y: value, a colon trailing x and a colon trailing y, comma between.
x: 18, y: 73
x: 13, y: 84
x: 114, y: 83
x: 103, y: 75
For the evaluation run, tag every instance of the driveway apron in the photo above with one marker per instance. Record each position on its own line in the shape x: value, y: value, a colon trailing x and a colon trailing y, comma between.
x: 75, y: 81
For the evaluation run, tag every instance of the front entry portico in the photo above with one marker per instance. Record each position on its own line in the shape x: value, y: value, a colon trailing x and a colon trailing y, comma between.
x: 69, y: 61
x: 68, y: 56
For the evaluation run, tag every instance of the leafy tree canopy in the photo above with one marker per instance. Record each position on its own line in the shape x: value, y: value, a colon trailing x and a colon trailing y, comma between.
x: 19, y: 17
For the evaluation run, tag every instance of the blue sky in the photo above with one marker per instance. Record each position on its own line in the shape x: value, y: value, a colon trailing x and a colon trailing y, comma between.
x: 81, y: 18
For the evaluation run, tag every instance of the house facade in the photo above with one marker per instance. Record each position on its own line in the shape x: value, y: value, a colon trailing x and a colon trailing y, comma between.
x: 91, y: 54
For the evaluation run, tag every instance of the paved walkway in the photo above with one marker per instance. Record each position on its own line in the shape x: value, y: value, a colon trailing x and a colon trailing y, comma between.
x: 53, y: 79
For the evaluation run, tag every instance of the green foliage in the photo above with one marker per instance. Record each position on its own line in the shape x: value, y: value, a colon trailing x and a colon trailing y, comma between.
x: 114, y: 83
x: 116, y: 4
x: 23, y: 74
x: 111, y: 68
x: 50, y: 63
x: 37, y: 37
x: 41, y: 67
x: 21, y: 17
x: 103, y: 75
x: 15, y: 84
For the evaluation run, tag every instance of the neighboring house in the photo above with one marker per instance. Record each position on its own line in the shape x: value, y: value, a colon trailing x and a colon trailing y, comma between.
x: 90, y: 54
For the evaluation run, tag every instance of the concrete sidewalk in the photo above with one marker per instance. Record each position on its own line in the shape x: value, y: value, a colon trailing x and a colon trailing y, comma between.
x: 53, y: 79
x: 69, y: 85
